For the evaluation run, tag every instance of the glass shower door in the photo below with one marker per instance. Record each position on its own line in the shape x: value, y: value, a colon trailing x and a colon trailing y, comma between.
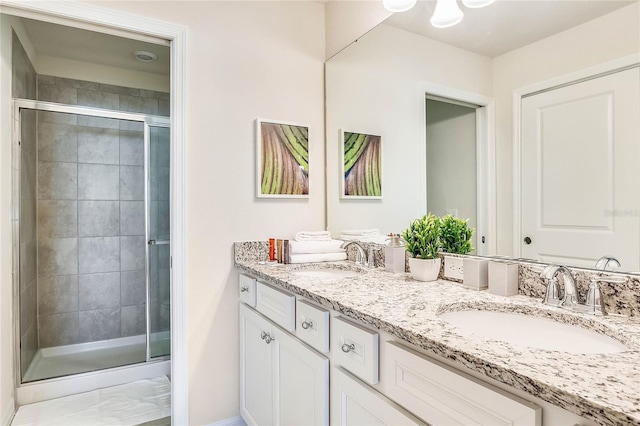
x: 159, y: 244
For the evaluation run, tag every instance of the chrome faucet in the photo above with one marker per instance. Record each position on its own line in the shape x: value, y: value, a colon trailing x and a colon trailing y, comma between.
x: 607, y: 262
x: 570, y: 298
x: 363, y: 257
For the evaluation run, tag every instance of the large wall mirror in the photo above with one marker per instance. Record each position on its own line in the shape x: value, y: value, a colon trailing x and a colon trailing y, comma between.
x: 445, y: 103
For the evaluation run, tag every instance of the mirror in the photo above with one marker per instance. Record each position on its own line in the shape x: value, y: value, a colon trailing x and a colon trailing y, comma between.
x: 379, y: 85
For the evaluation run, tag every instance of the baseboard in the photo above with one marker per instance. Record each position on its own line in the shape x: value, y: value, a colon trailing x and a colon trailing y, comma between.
x: 233, y: 421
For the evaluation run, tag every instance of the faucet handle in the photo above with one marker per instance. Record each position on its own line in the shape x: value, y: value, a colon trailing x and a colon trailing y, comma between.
x: 595, y: 302
x: 552, y: 294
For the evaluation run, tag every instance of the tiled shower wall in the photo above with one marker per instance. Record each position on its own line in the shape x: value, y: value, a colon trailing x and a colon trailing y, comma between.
x: 24, y: 218
x: 91, y: 244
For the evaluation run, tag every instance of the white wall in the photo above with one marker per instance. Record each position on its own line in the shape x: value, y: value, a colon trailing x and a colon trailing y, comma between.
x: 374, y: 87
x: 611, y: 36
x: 7, y: 25
x: 245, y: 60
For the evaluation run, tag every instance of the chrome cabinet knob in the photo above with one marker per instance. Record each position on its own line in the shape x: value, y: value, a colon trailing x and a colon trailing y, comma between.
x: 244, y: 289
x: 267, y: 337
x: 307, y: 324
x: 346, y: 348
x: 263, y: 335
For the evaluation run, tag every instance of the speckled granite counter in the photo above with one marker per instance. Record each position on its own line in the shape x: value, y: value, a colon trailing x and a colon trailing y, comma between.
x: 601, y: 387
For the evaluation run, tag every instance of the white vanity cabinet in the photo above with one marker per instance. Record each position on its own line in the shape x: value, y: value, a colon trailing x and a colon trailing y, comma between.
x: 282, y: 381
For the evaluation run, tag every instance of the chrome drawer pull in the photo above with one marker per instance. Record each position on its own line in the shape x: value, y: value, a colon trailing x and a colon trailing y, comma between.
x: 244, y: 289
x: 307, y: 324
x: 348, y: 348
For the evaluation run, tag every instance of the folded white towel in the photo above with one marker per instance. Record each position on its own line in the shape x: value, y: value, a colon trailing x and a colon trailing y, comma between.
x: 317, y: 257
x: 313, y: 236
x: 362, y: 232
x: 307, y: 247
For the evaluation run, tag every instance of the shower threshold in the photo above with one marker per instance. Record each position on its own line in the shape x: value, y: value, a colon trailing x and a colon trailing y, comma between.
x: 67, y: 360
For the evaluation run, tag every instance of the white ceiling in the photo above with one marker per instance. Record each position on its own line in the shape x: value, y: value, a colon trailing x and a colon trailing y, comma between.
x: 506, y: 24
x: 60, y: 41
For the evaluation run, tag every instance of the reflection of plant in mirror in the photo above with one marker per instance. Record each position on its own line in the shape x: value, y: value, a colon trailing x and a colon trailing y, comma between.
x: 455, y: 235
x: 423, y: 237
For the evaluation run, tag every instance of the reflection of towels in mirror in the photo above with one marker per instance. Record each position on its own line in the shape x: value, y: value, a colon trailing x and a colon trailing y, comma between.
x: 313, y: 236
x: 307, y: 247
x: 364, y: 236
x: 317, y: 257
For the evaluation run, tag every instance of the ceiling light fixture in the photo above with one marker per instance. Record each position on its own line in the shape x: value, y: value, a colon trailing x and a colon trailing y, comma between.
x: 144, y: 56
x: 446, y: 14
x: 398, y: 5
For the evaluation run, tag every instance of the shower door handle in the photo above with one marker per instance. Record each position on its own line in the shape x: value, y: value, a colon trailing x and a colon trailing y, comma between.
x: 158, y: 242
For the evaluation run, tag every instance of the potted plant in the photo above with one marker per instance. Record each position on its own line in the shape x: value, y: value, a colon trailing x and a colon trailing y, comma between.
x: 455, y: 235
x: 423, y: 244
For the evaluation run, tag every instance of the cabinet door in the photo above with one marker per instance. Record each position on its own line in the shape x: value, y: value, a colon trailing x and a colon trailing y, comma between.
x: 301, y: 383
x: 256, y: 360
x: 355, y: 403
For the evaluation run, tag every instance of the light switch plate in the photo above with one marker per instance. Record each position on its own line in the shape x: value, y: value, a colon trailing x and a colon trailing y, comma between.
x: 453, y: 267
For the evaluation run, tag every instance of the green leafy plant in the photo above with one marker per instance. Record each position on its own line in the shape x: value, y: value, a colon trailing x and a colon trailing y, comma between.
x: 423, y: 237
x: 455, y: 235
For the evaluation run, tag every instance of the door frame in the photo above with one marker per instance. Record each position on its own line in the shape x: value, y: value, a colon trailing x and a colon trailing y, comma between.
x: 485, y: 158
x: 115, y: 22
x: 588, y: 73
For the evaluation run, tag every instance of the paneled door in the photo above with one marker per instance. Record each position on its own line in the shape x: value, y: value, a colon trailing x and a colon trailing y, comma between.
x: 580, y: 172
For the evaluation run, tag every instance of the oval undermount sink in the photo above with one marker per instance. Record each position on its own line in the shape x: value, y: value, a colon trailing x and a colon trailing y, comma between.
x: 533, y: 332
x: 327, y: 274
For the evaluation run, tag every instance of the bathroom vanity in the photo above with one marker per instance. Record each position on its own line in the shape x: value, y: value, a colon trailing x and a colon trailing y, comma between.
x: 372, y: 347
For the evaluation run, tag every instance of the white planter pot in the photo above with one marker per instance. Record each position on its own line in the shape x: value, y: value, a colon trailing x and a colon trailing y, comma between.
x: 424, y: 269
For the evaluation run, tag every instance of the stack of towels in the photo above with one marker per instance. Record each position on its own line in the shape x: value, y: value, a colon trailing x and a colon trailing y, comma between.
x: 315, y: 246
x: 364, y: 235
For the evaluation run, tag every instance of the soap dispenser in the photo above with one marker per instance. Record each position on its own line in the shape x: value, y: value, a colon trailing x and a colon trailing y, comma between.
x: 394, y: 255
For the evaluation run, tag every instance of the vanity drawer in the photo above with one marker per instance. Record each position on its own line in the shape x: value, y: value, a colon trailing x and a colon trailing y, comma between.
x: 312, y: 325
x: 355, y: 348
x: 278, y: 306
x: 247, y: 287
x: 442, y: 396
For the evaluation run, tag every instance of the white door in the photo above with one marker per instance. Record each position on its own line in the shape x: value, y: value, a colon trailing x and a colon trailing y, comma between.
x: 301, y: 383
x: 256, y: 360
x: 580, y: 176
x: 353, y: 403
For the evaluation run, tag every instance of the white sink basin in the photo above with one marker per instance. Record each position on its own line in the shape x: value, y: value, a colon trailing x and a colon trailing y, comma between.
x: 327, y: 274
x: 533, y: 332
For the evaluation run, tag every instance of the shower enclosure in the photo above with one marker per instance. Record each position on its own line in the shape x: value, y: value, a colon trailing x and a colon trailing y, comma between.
x: 91, y: 200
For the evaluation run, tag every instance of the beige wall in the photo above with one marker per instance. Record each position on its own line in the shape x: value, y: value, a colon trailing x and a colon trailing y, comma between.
x: 375, y: 87
x: 609, y: 37
x: 244, y: 60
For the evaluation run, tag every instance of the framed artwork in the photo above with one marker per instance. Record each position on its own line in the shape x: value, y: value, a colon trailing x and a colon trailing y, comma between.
x: 282, y: 154
x: 361, y: 165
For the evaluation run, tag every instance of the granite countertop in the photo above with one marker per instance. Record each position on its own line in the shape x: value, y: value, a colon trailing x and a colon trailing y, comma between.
x: 601, y: 387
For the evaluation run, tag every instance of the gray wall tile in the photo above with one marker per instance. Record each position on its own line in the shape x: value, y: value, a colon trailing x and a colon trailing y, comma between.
x: 93, y: 98
x: 28, y: 348
x: 28, y: 307
x: 100, y: 324
x: 23, y: 74
x: 57, y: 118
x: 164, y: 284
x: 28, y: 262
x: 131, y: 148
x: 28, y: 133
x: 57, y: 181
x: 27, y: 176
x: 27, y: 219
x: 98, y: 145
x: 78, y: 84
x: 63, y: 95
x: 138, y: 104
x: 98, y: 182
x: 131, y: 183
x: 132, y: 320
x: 164, y: 183
x: 57, y: 142
x: 154, y: 94
x: 163, y: 256
x: 98, y: 291
x: 135, y: 126
x: 132, y: 253
x: 46, y: 79
x: 132, y: 218
x: 99, y: 254
x: 109, y: 88
x: 103, y: 123
x: 164, y: 108
x: 132, y: 287
x: 57, y: 218
x: 58, y: 329
x: 98, y: 218
x: 164, y: 219
x: 57, y: 294
x: 153, y: 219
x: 57, y: 256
